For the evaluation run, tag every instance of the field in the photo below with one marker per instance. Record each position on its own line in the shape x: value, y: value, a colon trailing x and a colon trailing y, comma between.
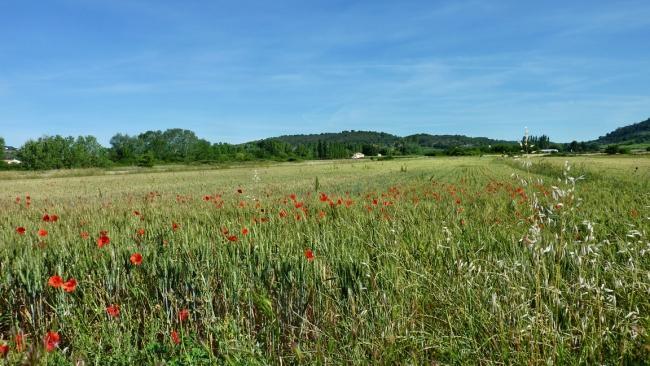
x: 415, y: 261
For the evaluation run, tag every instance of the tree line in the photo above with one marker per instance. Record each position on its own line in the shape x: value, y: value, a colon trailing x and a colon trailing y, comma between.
x: 169, y: 146
x: 183, y: 146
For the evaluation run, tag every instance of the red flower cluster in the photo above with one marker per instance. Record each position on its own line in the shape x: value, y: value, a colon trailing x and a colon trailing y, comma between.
x: 113, y: 310
x: 136, y: 259
x: 103, y: 240
x: 51, y: 341
x: 67, y: 286
x: 50, y: 218
x: 183, y: 315
x: 19, y: 340
x: 309, y: 254
x: 175, y: 337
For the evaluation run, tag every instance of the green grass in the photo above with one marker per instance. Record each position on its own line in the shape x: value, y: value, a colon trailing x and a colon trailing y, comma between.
x: 424, y: 261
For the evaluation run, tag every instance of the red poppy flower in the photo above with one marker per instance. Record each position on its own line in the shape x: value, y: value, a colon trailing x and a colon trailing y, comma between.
x: 51, y: 341
x: 207, y: 197
x: 113, y: 310
x: 42, y: 232
x: 54, y: 218
x: 70, y: 285
x: 20, y: 342
x: 46, y: 218
x: 232, y: 238
x: 175, y: 226
x: 140, y: 232
x: 136, y: 259
x: 323, y: 197
x: 4, y: 349
x: 103, y: 240
x: 183, y: 315
x: 84, y: 235
x: 175, y: 337
x: 55, y: 281
x: 244, y: 231
x: 292, y: 196
x: 240, y: 191
x: 283, y: 213
x: 136, y: 212
x: 20, y: 230
x: 309, y: 255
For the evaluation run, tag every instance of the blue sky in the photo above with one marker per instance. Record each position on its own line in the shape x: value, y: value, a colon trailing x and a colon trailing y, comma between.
x: 242, y: 70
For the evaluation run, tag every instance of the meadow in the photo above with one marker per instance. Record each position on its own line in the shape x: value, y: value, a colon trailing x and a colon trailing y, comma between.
x: 469, y: 260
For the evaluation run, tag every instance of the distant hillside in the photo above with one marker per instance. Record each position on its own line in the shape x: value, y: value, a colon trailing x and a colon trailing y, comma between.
x: 446, y: 141
x: 633, y: 134
x: 345, y: 137
x: 385, y: 139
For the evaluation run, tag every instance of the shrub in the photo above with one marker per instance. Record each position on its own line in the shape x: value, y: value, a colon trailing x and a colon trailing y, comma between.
x: 612, y: 149
x: 145, y: 160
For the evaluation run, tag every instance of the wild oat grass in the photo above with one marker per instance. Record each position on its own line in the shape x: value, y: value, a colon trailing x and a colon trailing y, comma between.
x: 423, y: 261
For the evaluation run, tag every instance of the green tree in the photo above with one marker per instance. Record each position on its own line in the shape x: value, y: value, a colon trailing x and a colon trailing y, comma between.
x: 58, y: 152
x: 86, y: 152
x: 612, y: 149
x: 125, y: 148
x: 201, y: 150
x: 146, y: 159
x: 177, y: 145
x: 370, y: 149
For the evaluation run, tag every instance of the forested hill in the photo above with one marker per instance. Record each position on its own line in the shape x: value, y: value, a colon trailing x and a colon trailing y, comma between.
x: 344, y: 137
x: 386, y: 139
x: 633, y: 134
x: 447, y: 141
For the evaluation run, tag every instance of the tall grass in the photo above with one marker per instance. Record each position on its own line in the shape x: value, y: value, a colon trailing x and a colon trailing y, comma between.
x: 443, y: 261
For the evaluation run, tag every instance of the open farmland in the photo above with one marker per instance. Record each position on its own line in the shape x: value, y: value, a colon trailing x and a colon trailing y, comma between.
x: 423, y: 261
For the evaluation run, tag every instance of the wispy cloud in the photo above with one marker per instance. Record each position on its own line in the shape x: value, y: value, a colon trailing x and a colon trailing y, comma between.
x: 237, y: 71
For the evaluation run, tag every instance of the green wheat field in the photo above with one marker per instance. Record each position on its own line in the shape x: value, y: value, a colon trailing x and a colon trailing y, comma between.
x: 481, y: 260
